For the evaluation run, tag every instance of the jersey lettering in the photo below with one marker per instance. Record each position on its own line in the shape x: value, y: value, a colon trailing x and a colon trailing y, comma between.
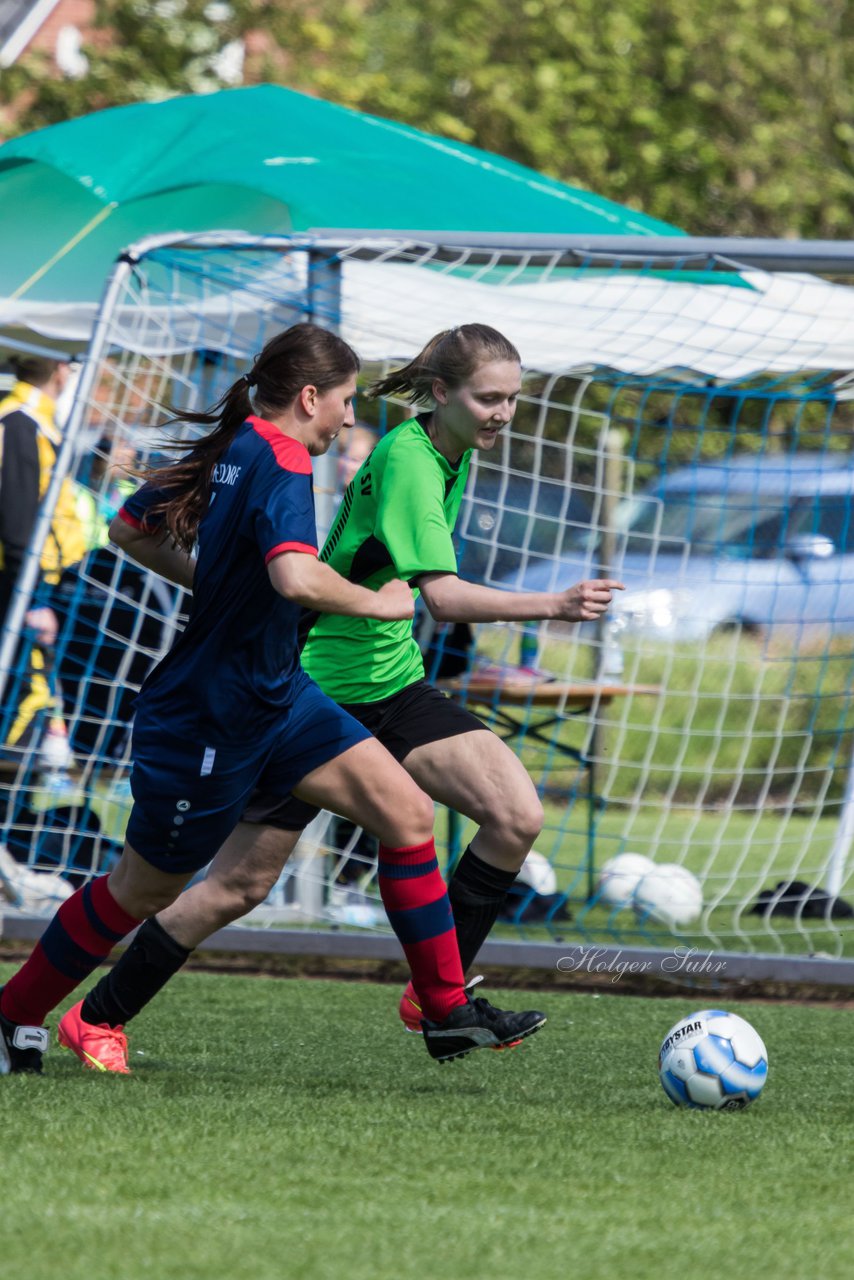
x: 225, y: 473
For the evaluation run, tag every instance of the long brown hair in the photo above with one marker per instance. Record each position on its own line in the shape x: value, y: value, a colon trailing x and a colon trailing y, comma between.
x: 304, y: 355
x: 452, y: 356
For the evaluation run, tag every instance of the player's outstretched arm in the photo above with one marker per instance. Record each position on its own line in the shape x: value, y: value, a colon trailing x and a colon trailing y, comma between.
x: 452, y: 599
x: 154, y: 551
x: 316, y: 586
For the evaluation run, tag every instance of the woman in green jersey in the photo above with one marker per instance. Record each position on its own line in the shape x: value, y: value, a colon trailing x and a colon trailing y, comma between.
x: 395, y: 521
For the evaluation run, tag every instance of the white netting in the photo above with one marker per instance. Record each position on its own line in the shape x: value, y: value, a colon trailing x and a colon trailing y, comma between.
x: 686, y: 431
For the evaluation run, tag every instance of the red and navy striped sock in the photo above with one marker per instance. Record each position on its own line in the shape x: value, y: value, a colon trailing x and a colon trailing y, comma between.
x: 79, y: 937
x: 416, y: 902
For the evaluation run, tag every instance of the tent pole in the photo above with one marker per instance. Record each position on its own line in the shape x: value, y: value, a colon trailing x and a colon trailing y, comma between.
x: 323, y: 307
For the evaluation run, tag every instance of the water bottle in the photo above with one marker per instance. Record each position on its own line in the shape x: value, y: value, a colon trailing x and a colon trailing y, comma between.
x: 55, y: 757
x: 612, y: 662
x: 529, y: 648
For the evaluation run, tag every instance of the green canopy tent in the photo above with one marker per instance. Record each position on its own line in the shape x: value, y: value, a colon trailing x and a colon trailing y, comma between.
x: 260, y: 160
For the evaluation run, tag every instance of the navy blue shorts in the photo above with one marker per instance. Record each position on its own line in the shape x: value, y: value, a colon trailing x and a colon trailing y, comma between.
x: 416, y: 715
x: 189, y: 796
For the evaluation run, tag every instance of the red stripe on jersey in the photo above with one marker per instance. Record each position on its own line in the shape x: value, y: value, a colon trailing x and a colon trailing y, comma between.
x: 125, y: 515
x: 290, y: 454
x: 290, y: 546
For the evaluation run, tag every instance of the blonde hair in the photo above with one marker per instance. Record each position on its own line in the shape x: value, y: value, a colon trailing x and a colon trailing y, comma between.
x: 452, y: 356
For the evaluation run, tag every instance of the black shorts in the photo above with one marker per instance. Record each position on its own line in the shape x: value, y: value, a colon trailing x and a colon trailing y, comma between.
x: 416, y: 715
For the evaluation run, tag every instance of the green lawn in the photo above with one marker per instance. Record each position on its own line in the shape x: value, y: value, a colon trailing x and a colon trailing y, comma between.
x: 734, y: 854
x: 280, y: 1128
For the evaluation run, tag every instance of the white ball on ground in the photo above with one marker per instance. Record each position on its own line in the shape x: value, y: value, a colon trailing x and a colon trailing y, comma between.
x: 712, y: 1061
x: 538, y: 874
x: 620, y: 876
x: 670, y: 895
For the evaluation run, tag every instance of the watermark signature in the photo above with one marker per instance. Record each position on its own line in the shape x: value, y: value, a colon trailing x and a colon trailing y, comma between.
x: 606, y: 960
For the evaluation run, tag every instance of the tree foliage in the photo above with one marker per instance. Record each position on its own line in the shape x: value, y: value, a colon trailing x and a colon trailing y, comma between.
x: 139, y: 51
x: 733, y: 118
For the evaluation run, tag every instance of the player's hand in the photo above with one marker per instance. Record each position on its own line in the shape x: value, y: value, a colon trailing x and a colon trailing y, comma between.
x: 45, y: 624
x: 395, y: 601
x: 587, y: 601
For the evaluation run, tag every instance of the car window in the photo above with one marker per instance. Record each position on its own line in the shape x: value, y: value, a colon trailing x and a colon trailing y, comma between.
x: 501, y: 530
x: 709, y: 522
x: 828, y: 515
x: 731, y: 525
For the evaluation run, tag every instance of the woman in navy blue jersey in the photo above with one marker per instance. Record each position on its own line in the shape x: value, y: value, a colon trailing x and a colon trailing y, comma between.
x: 229, y: 710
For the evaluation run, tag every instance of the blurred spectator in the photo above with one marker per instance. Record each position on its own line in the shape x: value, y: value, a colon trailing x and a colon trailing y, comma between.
x: 354, y: 447
x: 29, y: 440
x: 110, y: 478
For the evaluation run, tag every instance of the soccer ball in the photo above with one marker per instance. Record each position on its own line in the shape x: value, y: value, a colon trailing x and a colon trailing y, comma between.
x: 712, y: 1061
x: 538, y: 874
x: 620, y: 876
x: 670, y: 895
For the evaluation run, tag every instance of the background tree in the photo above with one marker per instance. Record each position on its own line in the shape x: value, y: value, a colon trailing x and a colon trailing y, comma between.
x: 139, y: 51
x: 734, y: 118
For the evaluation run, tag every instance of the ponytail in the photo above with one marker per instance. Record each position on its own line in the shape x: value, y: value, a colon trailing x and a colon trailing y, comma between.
x: 301, y: 356
x: 187, y: 482
x: 452, y: 356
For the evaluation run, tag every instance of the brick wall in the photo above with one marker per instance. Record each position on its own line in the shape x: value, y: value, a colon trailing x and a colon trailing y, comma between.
x: 68, y: 13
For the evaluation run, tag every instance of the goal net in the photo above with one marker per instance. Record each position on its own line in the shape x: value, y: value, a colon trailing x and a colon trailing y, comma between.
x: 685, y: 428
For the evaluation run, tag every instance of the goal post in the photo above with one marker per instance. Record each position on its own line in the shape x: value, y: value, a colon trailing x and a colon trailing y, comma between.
x: 685, y: 426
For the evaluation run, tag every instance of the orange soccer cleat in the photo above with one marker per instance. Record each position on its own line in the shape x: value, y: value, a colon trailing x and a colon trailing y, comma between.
x: 410, y: 1010
x: 100, y: 1048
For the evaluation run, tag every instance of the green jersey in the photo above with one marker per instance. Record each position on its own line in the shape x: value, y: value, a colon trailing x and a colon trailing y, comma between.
x: 395, y: 521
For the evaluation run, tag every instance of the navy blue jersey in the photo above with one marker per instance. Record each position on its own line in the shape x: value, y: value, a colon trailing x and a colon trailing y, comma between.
x: 235, y: 668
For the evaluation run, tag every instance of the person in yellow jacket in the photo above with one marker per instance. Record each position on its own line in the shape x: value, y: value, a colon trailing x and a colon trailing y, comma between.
x: 29, y: 441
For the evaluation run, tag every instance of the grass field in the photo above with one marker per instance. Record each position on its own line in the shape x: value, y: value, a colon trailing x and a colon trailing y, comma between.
x: 280, y: 1128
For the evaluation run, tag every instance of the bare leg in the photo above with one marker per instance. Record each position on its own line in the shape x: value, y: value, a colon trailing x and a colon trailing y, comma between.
x: 477, y: 775
x: 141, y: 889
x: 368, y: 786
x: 240, y: 876
x: 83, y: 933
x: 361, y: 784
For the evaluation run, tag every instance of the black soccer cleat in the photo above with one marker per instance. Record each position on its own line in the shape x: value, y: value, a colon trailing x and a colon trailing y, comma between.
x: 21, y: 1048
x: 478, y: 1025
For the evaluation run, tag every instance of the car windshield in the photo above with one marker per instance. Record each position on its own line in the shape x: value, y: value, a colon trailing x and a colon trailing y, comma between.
x: 727, y: 524
x: 710, y: 523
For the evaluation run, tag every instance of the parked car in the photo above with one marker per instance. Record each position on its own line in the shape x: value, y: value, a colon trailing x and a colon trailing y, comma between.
x: 757, y: 542
x: 512, y: 524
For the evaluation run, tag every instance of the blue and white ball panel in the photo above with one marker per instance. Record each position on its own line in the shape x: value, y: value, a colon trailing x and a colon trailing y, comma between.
x: 747, y: 1045
x: 713, y: 1060
x: 747, y: 1080
x: 675, y: 1089
x: 705, y: 1091
x: 680, y: 1063
x: 713, y: 1054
